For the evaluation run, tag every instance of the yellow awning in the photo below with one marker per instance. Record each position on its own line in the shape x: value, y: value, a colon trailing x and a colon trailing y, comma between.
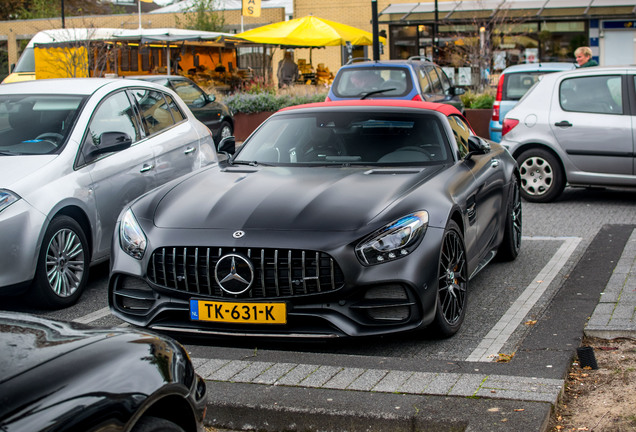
x: 309, y: 31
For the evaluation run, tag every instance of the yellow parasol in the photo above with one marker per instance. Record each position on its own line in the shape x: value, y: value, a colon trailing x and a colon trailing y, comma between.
x: 309, y: 31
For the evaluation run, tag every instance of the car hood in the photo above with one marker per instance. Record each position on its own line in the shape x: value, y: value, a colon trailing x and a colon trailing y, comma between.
x: 286, y: 198
x: 15, y: 168
x: 30, y: 341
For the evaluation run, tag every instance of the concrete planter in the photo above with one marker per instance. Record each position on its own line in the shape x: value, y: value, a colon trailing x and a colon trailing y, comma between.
x: 479, y: 119
x: 245, y: 124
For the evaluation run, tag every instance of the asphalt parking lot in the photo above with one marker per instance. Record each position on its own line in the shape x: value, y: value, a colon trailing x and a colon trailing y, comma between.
x: 532, y: 312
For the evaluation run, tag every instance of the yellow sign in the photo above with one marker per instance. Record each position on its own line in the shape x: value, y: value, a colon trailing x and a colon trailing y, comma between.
x: 252, y: 8
x: 238, y: 312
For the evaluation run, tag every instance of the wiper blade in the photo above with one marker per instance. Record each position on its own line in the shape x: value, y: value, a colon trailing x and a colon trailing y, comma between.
x: 250, y: 163
x: 366, y: 95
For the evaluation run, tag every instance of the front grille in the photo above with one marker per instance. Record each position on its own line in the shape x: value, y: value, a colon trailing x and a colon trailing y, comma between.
x: 277, y: 272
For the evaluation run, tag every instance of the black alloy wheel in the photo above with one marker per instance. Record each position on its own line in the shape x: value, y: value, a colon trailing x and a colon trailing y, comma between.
x: 452, y: 283
x: 511, y: 244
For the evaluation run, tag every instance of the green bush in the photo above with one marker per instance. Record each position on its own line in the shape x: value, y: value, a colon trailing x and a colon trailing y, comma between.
x: 473, y: 100
x: 250, y: 103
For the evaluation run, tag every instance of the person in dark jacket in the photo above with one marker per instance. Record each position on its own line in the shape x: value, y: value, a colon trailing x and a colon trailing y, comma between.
x: 287, y: 71
x: 583, y: 57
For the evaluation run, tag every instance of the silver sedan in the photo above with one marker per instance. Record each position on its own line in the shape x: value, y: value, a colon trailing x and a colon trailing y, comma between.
x: 574, y: 128
x: 73, y: 153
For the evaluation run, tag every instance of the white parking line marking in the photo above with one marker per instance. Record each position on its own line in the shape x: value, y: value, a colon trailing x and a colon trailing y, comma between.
x: 93, y: 316
x: 491, y: 345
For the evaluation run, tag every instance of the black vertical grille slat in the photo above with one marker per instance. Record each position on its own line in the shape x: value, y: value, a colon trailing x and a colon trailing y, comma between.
x: 277, y: 273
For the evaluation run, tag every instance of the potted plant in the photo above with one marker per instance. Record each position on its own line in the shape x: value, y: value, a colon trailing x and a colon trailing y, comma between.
x: 250, y: 108
x: 478, y: 111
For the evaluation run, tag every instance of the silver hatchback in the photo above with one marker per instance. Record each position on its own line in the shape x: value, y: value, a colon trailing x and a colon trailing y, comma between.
x: 73, y: 153
x: 574, y: 128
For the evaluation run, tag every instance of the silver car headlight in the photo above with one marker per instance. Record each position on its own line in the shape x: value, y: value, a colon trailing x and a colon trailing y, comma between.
x: 131, y: 237
x: 395, y: 240
x: 7, y: 198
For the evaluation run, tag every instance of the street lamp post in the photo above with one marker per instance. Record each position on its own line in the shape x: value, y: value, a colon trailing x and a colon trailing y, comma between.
x: 376, y: 33
x: 435, y: 44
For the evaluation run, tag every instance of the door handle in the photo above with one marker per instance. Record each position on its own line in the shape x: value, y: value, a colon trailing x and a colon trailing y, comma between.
x: 563, y: 123
x: 146, y: 168
x: 189, y: 150
x: 494, y: 163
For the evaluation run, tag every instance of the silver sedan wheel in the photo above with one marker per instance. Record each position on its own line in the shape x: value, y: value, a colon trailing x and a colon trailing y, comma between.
x: 65, y: 262
x: 537, y: 176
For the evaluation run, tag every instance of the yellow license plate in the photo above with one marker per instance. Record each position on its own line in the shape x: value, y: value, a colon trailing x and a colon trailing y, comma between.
x: 238, y: 312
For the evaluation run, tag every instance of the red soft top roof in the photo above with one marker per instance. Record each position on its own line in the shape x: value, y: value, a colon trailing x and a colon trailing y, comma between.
x: 443, y: 108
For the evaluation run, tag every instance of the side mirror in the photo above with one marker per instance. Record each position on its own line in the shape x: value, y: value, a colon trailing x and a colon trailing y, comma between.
x: 112, y: 142
x: 210, y: 97
x: 477, y: 145
x: 227, y: 145
x: 12, y: 67
x: 457, y: 91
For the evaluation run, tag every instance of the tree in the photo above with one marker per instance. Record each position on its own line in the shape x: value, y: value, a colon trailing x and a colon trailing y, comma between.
x: 202, y: 15
x: 32, y: 9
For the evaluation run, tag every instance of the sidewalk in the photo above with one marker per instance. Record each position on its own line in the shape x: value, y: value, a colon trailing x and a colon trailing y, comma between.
x: 480, y: 396
x: 615, y: 315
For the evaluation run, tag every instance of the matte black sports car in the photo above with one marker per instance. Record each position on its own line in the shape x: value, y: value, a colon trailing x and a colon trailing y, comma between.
x: 333, y: 219
x: 58, y: 376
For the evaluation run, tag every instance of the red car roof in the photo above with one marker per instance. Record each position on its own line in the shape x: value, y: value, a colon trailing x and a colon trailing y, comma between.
x: 443, y: 108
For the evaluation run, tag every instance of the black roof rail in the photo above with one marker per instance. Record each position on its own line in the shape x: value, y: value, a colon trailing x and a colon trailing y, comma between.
x: 358, y: 59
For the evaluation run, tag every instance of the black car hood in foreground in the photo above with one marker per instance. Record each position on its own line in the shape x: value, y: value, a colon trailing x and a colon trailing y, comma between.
x: 57, y: 375
x: 264, y: 197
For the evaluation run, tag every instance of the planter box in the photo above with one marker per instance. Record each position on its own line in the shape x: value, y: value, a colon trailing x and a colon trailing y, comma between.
x: 479, y: 119
x: 245, y: 124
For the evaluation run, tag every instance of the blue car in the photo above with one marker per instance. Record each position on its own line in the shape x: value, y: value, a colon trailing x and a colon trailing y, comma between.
x: 413, y: 79
x: 514, y: 82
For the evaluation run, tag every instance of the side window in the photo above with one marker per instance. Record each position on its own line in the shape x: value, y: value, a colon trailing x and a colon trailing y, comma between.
x: 155, y: 111
x: 446, y: 84
x: 436, y: 84
x: 461, y: 132
x: 190, y: 94
x: 174, y: 109
x: 114, y: 114
x: 424, y: 81
x: 594, y: 94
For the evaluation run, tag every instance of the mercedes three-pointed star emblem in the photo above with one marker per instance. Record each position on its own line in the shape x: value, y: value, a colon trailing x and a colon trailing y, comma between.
x: 234, y: 273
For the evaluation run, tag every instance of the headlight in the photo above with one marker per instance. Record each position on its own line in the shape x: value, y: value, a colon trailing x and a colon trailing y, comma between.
x: 395, y: 240
x: 131, y: 237
x: 7, y: 198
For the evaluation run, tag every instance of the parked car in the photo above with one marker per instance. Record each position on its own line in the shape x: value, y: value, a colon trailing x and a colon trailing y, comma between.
x: 73, y: 153
x: 62, y: 376
x: 348, y: 218
x: 414, y: 79
x: 513, y: 83
x: 574, y: 127
x: 215, y: 115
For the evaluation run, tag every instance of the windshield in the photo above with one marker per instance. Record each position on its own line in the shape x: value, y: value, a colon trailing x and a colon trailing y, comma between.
x: 36, y: 124
x: 26, y: 62
x: 345, y: 137
x: 389, y: 82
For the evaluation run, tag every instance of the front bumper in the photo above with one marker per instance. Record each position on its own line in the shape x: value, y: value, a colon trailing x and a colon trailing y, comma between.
x: 20, y: 237
x: 369, y: 300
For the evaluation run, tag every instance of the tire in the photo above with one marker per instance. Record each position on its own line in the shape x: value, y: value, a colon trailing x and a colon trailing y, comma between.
x: 156, y: 424
x: 62, y: 267
x: 225, y: 131
x: 542, y: 179
x: 452, y: 290
x: 511, y: 243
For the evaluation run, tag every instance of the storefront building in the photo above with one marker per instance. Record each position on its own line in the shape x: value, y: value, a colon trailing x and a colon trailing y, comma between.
x: 495, y: 34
